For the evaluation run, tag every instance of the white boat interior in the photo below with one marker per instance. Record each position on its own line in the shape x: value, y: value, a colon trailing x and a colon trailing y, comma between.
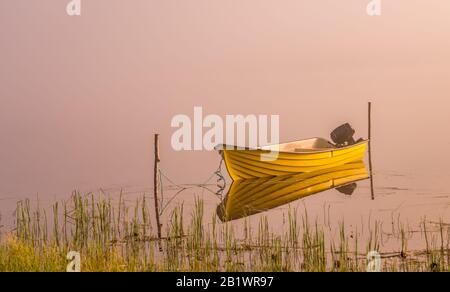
x: 308, y: 145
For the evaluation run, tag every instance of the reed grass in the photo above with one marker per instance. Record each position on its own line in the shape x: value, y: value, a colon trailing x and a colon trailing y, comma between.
x: 120, y: 237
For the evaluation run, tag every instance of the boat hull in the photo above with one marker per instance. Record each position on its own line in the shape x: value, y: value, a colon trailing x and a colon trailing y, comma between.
x: 249, y: 197
x: 249, y: 163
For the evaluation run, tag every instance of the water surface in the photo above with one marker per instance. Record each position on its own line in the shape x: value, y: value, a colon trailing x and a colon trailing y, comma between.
x: 81, y: 97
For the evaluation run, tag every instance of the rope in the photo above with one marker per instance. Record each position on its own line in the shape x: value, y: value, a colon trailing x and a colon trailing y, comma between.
x: 220, y: 183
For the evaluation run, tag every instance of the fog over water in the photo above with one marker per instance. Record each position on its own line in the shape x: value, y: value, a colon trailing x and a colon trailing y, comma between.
x: 81, y: 97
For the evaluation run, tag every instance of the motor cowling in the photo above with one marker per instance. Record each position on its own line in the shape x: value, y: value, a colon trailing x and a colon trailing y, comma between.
x: 347, y: 189
x: 343, y: 135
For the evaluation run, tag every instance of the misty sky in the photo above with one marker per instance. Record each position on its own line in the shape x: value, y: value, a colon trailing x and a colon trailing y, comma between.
x: 80, y: 97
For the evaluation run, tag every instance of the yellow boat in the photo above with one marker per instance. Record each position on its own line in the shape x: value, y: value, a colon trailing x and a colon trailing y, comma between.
x: 248, y: 197
x: 288, y: 158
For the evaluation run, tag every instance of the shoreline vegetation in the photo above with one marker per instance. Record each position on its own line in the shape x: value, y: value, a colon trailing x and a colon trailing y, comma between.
x: 117, y: 237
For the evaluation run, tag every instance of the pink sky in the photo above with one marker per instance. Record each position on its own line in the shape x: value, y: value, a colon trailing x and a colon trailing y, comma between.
x: 81, y: 97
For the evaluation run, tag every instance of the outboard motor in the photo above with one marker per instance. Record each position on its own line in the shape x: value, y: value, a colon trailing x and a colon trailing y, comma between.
x: 343, y: 135
x: 347, y: 189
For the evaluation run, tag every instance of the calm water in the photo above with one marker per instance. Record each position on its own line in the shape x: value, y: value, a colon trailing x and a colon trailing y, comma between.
x: 401, y: 201
x: 80, y: 98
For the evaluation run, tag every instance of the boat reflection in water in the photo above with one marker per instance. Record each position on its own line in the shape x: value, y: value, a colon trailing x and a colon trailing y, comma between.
x: 252, y: 196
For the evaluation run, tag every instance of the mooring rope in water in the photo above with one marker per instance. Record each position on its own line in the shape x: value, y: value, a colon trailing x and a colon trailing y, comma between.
x: 220, y: 183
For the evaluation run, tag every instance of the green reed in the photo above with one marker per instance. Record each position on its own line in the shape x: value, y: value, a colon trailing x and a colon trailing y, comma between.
x: 120, y: 237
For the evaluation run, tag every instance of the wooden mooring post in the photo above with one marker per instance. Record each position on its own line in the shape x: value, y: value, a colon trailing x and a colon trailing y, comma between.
x: 370, y: 150
x: 156, y: 184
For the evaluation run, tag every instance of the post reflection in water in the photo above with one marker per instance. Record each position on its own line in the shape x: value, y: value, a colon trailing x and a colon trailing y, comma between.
x: 252, y: 196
